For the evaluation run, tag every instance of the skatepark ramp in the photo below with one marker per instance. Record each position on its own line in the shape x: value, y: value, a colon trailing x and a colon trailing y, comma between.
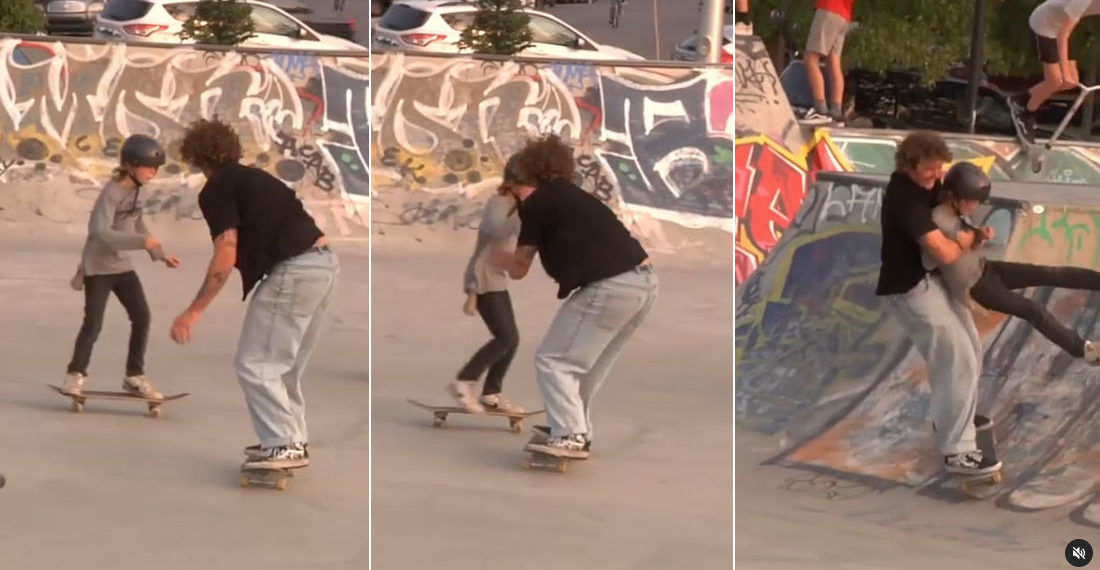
x: 654, y: 143
x: 822, y: 362
x: 66, y: 107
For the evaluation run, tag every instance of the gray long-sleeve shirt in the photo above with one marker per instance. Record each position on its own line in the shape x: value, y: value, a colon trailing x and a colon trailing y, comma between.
x: 115, y: 226
x: 499, y: 226
x: 960, y: 276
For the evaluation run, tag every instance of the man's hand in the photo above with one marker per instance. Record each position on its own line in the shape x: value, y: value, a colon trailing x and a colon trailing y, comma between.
x: 181, y: 327
x: 470, y: 306
x: 966, y: 239
x: 988, y: 232
x: 171, y: 261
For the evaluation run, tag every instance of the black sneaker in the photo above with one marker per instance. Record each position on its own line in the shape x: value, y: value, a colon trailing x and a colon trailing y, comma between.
x: 256, y: 451
x: 1024, y: 119
x: 970, y: 463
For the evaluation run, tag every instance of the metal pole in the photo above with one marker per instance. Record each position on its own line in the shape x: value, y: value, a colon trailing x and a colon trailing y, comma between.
x: 656, y: 33
x: 709, y: 43
x: 976, y: 59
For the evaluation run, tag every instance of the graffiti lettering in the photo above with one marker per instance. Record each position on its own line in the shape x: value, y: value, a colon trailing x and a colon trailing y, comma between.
x: 842, y: 202
x: 593, y: 178
x: 310, y: 158
x: 439, y: 212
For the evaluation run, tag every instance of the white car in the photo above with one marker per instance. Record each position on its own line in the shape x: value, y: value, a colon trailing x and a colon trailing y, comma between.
x: 162, y: 21
x: 436, y: 26
x: 687, y: 50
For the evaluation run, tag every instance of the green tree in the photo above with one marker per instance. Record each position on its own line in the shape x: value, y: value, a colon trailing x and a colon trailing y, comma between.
x: 21, y: 17
x: 499, y: 27
x: 219, y: 22
x: 925, y: 36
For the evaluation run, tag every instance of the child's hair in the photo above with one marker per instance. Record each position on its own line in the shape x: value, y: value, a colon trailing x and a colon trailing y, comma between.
x: 544, y: 158
x: 208, y: 144
x: 919, y: 146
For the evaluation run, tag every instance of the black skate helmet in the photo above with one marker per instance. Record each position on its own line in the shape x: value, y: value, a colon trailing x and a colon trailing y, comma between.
x: 141, y: 150
x: 967, y: 181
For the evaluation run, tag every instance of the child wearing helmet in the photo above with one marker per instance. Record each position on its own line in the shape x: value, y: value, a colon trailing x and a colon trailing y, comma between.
x: 486, y: 289
x: 991, y: 284
x: 116, y: 226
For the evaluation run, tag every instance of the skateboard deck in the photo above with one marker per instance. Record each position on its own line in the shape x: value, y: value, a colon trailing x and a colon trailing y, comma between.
x: 515, y: 421
x: 266, y: 476
x: 543, y: 460
x: 78, y: 401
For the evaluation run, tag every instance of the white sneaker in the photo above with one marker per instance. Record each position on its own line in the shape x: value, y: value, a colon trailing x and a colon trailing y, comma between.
x: 463, y: 392
x: 282, y: 457
x: 1092, y: 352
x: 73, y: 384
x: 572, y: 446
x: 495, y: 403
x: 140, y: 386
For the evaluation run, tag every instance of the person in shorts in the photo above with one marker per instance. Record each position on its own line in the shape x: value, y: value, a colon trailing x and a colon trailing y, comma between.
x: 1052, y: 24
x: 832, y: 19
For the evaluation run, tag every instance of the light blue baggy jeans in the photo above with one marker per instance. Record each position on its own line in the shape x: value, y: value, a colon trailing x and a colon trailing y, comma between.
x: 583, y: 343
x: 943, y: 331
x: 280, y: 331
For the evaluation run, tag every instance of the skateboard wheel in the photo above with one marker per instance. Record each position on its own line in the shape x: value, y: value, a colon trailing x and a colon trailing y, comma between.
x: 517, y: 426
x: 1036, y: 165
x: 78, y: 406
x: 997, y: 478
x: 562, y: 467
x: 244, y: 480
x: 438, y: 422
x: 281, y: 484
x: 154, y: 411
x: 527, y: 463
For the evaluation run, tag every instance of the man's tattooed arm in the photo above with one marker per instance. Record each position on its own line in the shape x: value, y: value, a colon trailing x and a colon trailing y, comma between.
x: 221, y: 266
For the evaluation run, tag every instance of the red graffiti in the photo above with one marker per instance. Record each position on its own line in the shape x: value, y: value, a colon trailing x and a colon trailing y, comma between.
x: 775, y: 190
x: 769, y: 188
x: 720, y: 107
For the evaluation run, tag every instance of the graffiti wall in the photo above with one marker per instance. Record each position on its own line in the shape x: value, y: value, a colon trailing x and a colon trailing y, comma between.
x: 65, y: 109
x: 650, y: 142
x: 825, y: 361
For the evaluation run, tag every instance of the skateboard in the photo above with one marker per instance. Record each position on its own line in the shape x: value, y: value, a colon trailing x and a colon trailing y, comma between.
x: 984, y: 485
x: 544, y: 460
x: 515, y: 421
x: 266, y: 476
x: 154, y: 405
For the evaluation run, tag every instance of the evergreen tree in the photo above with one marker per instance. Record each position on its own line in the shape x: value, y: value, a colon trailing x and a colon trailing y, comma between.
x: 219, y: 22
x: 499, y: 27
x: 21, y: 17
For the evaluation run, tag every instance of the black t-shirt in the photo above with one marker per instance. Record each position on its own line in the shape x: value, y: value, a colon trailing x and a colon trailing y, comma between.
x: 272, y: 225
x: 906, y: 216
x: 579, y: 239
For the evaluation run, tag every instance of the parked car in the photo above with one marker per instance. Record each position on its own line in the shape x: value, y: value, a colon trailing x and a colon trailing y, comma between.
x: 436, y: 26
x: 339, y: 26
x: 162, y: 21
x: 687, y: 50
x: 70, y: 17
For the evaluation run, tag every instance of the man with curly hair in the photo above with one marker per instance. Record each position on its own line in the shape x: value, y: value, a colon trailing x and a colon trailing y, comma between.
x: 603, y: 273
x: 941, y: 328
x: 260, y: 227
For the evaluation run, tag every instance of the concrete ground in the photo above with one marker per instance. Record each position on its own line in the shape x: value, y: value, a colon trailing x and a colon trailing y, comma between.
x: 790, y: 519
x: 657, y: 491
x: 113, y: 488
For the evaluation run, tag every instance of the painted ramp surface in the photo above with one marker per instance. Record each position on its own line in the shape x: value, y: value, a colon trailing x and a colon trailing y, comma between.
x: 823, y: 362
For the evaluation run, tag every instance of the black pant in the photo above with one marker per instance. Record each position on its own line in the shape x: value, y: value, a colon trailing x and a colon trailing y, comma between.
x: 496, y: 355
x: 994, y: 292
x: 97, y: 289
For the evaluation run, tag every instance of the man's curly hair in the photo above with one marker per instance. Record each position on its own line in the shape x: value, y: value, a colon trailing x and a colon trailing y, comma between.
x: 208, y: 144
x: 544, y: 158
